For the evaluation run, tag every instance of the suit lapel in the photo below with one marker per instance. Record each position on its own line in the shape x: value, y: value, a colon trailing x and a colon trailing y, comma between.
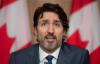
x: 62, y: 57
x: 34, y: 55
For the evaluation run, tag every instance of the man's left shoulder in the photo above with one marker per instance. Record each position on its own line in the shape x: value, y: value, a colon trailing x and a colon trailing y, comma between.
x: 75, y: 49
x: 73, y: 54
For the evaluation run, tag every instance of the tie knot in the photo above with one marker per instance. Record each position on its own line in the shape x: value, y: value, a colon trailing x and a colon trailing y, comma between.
x: 49, y: 57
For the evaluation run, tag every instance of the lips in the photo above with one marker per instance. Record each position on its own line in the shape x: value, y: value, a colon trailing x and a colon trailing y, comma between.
x: 50, y: 37
x: 50, y: 40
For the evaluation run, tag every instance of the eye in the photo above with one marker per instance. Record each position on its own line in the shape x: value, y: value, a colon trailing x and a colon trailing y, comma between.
x: 57, y: 24
x: 43, y: 24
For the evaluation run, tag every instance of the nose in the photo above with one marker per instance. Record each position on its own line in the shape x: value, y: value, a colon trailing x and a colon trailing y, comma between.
x: 51, y: 29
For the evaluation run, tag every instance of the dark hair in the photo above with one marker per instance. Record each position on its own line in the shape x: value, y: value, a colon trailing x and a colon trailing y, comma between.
x: 52, y: 8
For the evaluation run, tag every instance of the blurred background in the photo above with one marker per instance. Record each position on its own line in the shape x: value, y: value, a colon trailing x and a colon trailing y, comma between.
x: 17, y: 31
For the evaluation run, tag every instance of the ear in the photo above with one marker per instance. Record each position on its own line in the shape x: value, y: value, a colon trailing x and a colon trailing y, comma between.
x: 35, y: 35
x: 64, y: 35
x: 35, y: 31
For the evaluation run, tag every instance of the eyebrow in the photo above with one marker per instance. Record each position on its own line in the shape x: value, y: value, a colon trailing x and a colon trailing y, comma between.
x: 56, y: 21
x: 44, y: 21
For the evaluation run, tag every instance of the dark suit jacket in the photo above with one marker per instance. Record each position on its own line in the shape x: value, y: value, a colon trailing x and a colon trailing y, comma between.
x: 68, y: 55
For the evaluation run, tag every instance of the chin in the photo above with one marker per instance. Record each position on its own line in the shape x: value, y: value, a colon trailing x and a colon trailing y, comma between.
x: 50, y: 50
x: 51, y: 47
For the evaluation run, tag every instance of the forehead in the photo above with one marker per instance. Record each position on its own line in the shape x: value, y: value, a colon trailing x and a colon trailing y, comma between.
x: 49, y: 16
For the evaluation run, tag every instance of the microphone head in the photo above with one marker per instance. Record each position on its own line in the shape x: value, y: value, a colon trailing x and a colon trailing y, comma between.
x: 45, y: 62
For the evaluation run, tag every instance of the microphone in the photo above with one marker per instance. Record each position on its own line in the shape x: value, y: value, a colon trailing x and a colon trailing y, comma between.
x: 45, y: 62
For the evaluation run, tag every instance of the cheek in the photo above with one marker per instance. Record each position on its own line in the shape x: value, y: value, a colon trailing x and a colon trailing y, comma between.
x: 59, y: 35
x: 41, y: 33
x: 40, y: 36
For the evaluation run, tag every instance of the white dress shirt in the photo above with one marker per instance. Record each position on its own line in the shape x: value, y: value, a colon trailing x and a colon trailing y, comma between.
x: 43, y: 55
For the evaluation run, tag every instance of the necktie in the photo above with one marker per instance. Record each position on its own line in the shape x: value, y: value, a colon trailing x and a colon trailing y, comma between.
x: 49, y: 58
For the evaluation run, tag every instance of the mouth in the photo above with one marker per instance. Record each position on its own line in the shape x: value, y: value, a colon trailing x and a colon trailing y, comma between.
x: 50, y: 40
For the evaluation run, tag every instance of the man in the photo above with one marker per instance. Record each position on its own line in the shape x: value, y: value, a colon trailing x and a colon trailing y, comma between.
x: 51, y: 24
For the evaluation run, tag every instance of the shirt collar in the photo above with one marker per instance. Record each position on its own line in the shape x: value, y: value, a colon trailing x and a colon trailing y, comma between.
x: 43, y: 54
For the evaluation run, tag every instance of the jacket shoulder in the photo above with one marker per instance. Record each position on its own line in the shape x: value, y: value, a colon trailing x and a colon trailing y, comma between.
x: 32, y: 48
x: 74, y: 49
x: 24, y: 55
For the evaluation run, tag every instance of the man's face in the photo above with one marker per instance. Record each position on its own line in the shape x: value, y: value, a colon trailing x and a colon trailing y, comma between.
x: 49, y: 32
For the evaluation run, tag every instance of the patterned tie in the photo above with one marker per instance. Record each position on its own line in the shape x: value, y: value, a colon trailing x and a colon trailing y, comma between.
x: 49, y: 58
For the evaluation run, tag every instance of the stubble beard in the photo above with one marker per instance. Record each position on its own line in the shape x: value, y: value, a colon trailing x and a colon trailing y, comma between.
x: 49, y: 47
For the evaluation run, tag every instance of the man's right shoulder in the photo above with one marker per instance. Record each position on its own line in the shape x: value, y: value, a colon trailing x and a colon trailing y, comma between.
x: 24, y: 55
x: 30, y: 49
